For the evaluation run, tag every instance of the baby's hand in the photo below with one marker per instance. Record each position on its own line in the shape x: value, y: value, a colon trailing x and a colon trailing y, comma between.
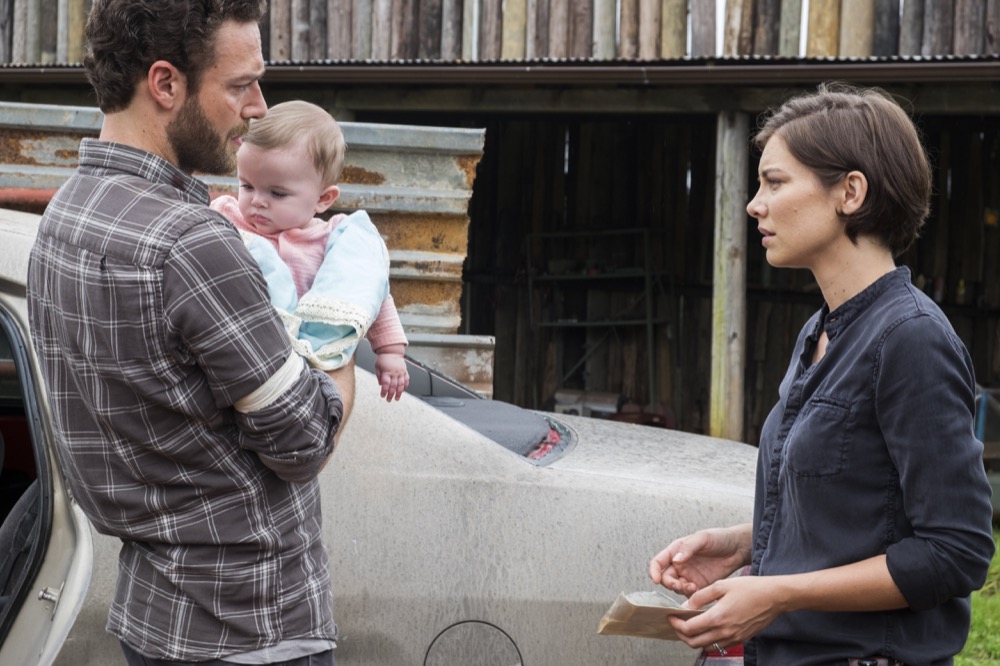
x: 390, y: 369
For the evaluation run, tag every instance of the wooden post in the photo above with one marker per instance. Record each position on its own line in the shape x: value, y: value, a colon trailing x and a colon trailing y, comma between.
x: 628, y: 29
x: 729, y: 276
x: 536, y: 40
x: 673, y: 28
x: 767, y: 27
x: 429, y: 30
x: 558, y: 28
x: 649, y: 29
x: 732, y: 30
x: 702, y: 29
x: 790, y: 33
x: 33, y: 31
x: 857, y: 32
x: 381, y: 29
x: 62, y: 30
x: 970, y: 27
x: 581, y: 28
x: 886, y: 38
x: 281, y: 31
x: 338, y: 29
x: 514, y: 31
x: 49, y: 32
x: 451, y: 29
x: 6, y: 30
x: 939, y: 27
x: 604, y: 29
x: 992, y: 36
x: 911, y: 32
x: 824, y: 28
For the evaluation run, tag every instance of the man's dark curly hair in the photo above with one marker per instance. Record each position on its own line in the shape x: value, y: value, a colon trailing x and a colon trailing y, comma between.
x: 125, y: 37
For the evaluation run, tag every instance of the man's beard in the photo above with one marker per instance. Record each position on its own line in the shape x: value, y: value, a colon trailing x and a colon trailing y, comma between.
x: 197, y: 146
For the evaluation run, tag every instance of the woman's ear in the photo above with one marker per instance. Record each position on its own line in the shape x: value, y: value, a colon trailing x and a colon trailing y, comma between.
x: 855, y: 189
x: 326, y: 198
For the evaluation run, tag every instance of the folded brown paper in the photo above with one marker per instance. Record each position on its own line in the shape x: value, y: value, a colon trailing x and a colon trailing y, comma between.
x: 644, y: 614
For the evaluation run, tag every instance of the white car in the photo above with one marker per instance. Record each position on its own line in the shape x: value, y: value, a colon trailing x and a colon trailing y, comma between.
x: 462, y: 531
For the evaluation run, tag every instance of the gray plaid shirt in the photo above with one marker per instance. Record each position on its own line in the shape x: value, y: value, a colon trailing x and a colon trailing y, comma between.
x: 151, y: 320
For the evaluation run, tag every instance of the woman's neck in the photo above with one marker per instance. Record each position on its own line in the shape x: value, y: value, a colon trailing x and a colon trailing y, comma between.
x: 847, y: 273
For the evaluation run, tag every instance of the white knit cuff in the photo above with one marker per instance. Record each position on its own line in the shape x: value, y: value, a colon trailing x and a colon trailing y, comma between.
x: 268, y: 392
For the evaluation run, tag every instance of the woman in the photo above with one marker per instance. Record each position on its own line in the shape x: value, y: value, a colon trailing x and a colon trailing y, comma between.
x: 872, y: 513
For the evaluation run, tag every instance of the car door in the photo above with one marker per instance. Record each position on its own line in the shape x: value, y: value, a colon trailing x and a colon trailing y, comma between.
x: 45, y: 541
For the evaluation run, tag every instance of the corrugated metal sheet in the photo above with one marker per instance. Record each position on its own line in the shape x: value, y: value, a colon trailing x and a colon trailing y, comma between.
x: 415, y: 183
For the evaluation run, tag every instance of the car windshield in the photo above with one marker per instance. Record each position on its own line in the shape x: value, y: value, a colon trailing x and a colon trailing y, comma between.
x: 534, y: 436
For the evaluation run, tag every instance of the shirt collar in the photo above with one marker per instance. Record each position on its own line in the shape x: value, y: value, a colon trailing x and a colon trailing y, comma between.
x: 135, y: 161
x: 836, y: 321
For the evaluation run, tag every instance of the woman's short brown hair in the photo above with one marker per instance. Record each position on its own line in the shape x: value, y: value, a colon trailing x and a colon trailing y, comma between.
x: 302, y: 122
x: 125, y: 37
x: 840, y: 129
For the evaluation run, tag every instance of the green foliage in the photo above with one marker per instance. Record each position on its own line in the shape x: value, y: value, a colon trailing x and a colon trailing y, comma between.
x: 983, y: 646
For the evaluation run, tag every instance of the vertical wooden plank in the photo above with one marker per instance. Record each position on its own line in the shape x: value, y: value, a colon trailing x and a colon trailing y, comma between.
x: 49, y: 32
x: 824, y: 28
x: 532, y: 44
x: 702, y: 29
x: 886, y: 38
x: 558, y: 28
x: 451, y: 29
x: 6, y: 30
x: 939, y: 27
x: 767, y: 26
x: 733, y: 27
x: 514, y: 29
x: 381, y: 29
x: 32, y: 28
x: 316, y: 34
x: 404, y: 29
x: 970, y: 27
x: 76, y: 16
x: 673, y: 28
x: 361, y: 31
x: 491, y: 26
x: 790, y: 32
x: 628, y: 29
x: 470, y: 30
x: 300, y: 29
x: 19, y: 37
x: 62, y: 30
x: 911, y: 31
x: 338, y: 29
x: 429, y: 30
x: 729, y: 281
x: 857, y: 33
x: 581, y: 28
x: 281, y: 31
x: 605, y: 16
x: 649, y: 29
x: 992, y: 36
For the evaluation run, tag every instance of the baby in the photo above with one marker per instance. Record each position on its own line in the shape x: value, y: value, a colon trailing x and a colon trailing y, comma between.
x: 329, y: 280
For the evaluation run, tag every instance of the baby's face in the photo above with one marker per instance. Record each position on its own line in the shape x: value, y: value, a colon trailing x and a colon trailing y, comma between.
x: 279, y: 188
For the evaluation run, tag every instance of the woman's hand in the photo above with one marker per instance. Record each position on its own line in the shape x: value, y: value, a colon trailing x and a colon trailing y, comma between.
x: 696, y: 561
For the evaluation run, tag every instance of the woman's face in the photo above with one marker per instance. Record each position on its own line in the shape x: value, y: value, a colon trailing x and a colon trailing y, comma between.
x: 796, y: 214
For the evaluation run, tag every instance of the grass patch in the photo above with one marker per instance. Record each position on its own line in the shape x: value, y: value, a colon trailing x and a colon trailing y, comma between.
x: 983, y: 646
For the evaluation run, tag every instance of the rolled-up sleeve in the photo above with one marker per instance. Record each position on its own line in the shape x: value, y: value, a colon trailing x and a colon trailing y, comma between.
x: 925, y: 397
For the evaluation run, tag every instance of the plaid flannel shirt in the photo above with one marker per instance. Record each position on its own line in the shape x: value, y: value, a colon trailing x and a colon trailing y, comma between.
x: 150, y: 320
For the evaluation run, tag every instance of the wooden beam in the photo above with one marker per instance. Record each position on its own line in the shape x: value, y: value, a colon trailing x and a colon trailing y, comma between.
x: 429, y: 30
x: 911, y: 31
x: 581, y: 28
x: 451, y: 29
x: 604, y: 29
x: 514, y: 31
x: 702, y: 29
x: 649, y: 29
x: 361, y: 35
x: 729, y: 277
x: 381, y: 29
x: 281, y: 31
x: 628, y: 29
x: 992, y: 31
x: 300, y: 29
x: 767, y: 27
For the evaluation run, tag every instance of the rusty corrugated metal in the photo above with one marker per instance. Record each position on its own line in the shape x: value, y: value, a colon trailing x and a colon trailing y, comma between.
x: 415, y: 182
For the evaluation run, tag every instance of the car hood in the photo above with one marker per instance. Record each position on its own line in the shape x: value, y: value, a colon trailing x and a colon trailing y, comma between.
x: 638, y: 454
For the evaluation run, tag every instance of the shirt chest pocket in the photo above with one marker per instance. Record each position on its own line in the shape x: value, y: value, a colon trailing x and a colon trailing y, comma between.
x: 818, y: 442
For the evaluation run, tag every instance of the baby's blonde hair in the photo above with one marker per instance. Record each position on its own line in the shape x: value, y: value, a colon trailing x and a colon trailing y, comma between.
x: 297, y: 121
